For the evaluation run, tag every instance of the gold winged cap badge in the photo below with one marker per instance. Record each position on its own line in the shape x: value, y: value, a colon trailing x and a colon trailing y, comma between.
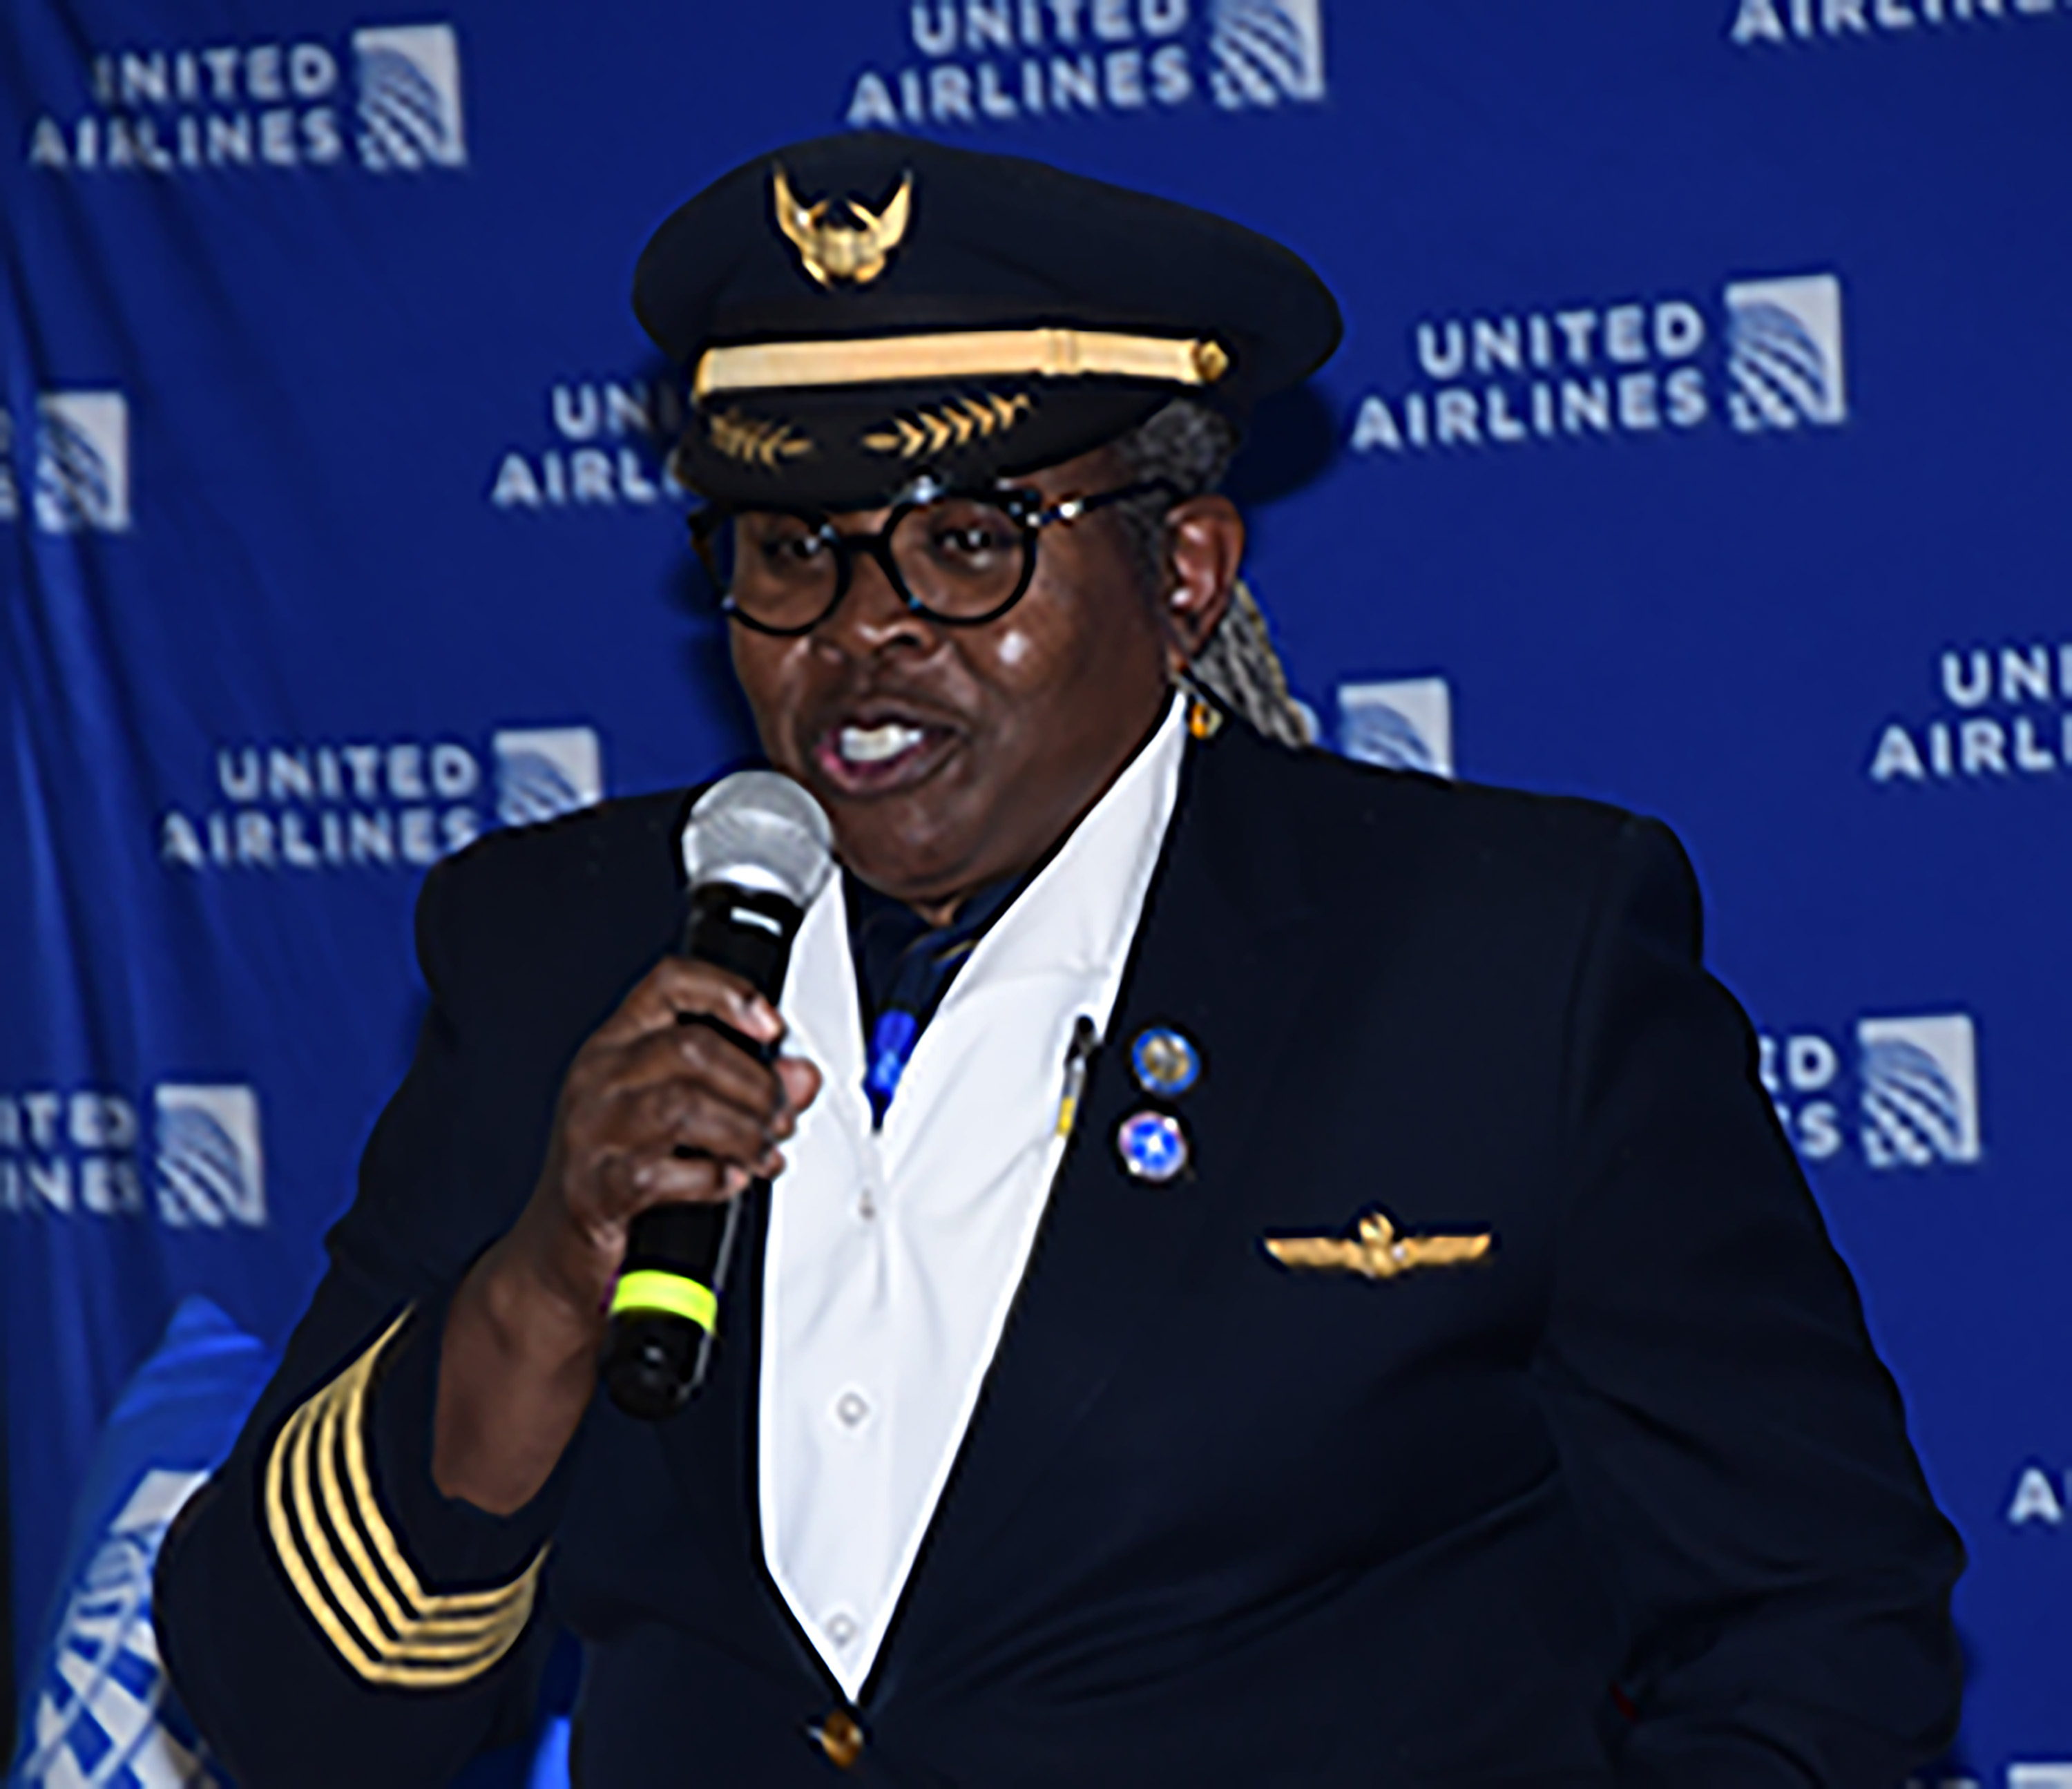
x: 831, y: 251
x: 1378, y: 1253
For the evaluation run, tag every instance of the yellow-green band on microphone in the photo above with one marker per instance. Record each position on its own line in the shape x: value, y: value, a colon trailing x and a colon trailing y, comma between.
x: 649, y: 1293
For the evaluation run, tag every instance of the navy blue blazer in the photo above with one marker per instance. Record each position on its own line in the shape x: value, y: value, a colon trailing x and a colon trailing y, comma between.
x: 1628, y: 1501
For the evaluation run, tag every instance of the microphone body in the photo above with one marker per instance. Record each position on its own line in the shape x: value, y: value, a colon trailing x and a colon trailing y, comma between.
x: 746, y: 906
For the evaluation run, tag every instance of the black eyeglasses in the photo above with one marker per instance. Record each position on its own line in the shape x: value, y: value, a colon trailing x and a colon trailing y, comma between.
x: 960, y: 557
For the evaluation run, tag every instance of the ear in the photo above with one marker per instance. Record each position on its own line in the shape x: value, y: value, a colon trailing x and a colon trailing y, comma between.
x: 1204, y: 547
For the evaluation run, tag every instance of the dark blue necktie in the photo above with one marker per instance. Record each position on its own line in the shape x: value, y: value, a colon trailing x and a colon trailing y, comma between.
x: 903, y: 967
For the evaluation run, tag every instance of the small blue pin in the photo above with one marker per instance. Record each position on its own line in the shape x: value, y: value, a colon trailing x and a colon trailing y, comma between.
x: 1152, y: 1146
x: 1164, y: 1061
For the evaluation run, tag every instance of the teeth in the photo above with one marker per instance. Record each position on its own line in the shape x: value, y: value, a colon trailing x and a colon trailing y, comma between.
x: 875, y: 745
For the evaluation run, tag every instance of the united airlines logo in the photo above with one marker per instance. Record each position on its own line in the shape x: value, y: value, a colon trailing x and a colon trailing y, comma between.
x: 101, y: 1712
x: 1792, y: 23
x: 86, y: 1154
x: 384, y: 97
x: 544, y: 772
x: 1265, y: 52
x: 986, y: 62
x: 1914, y: 1102
x: 1920, y: 1091
x: 1766, y: 357
x: 409, y: 97
x: 608, y: 449
x: 2001, y: 713
x: 210, y: 1170
x: 1784, y: 355
x: 301, y: 807
x: 1406, y: 725
x: 82, y: 480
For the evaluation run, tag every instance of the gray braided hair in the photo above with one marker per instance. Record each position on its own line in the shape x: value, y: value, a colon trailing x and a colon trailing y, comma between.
x: 1190, y: 446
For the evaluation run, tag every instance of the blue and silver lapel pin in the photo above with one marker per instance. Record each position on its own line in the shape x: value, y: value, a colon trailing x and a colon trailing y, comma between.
x: 1152, y: 1146
x: 1165, y: 1062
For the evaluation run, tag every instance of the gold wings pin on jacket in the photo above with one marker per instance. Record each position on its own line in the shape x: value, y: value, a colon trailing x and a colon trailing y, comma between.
x: 1377, y: 1253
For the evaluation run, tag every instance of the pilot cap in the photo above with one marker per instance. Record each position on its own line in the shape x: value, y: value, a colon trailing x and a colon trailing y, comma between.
x: 857, y: 312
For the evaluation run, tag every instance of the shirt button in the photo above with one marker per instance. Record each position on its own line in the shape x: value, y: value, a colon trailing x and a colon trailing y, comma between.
x: 851, y: 1407
x: 866, y: 1205
x: 841, y: 1629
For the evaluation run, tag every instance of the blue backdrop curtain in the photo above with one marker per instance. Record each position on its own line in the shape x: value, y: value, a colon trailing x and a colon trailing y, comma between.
x: 1698, y: 442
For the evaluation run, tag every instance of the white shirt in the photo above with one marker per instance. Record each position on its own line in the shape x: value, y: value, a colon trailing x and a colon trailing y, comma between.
x: 893, y: 1256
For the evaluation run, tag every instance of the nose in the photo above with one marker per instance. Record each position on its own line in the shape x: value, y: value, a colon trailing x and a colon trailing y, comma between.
x: 872, y: 617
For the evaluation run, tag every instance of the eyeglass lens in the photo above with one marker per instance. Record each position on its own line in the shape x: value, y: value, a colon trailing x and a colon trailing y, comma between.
x: 960, y: 557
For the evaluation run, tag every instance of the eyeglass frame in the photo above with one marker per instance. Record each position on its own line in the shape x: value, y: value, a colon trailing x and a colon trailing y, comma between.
x: 1021, y: 506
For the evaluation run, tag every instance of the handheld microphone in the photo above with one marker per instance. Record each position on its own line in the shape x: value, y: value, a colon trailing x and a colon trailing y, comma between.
x: 757, y: 851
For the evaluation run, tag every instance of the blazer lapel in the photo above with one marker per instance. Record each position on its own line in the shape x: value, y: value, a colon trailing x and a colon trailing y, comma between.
x: 710, y: 1448
x: 1221, y: 954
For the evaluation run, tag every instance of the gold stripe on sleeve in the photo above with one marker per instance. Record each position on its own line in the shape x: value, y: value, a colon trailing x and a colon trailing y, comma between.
x: 348, y: 1570
x: 428, y: 1635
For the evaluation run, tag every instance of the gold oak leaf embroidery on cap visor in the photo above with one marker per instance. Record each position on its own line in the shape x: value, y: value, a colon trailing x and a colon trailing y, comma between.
x: 347, y: 1567
x: 931, y: 430
x: 1376, y: 1252
x: 754, y: 441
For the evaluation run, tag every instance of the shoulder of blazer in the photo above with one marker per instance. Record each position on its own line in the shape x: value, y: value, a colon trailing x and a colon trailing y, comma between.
x: 588, y: 896
x: 599, y: 846
x: 529, y: 939
x: 1342, y: 826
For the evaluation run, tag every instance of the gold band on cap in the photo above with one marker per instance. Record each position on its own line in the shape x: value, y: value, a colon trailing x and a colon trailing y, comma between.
x: 966, y: 354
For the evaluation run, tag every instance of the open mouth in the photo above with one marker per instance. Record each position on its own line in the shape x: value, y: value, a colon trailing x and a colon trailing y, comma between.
x: 874, y: 754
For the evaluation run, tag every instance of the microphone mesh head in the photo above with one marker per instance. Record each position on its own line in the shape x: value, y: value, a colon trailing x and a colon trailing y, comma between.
x: 758, y: 830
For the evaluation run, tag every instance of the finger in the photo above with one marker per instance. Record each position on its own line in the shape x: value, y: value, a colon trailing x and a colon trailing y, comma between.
x: 686, y: 985
x: 638, y: 1184
x: 631, y: 1184
x: 645, y: 1107
x: 696, y: 1055
x: 657, y: 1120
x: 800, y: 1081
x: 766, y: 1166
x: 677, y: 984
x: 626, y: 1179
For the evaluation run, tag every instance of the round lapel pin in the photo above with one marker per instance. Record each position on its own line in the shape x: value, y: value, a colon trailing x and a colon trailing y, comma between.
x: 1152, y: 1146
x: 1164, y: 1061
